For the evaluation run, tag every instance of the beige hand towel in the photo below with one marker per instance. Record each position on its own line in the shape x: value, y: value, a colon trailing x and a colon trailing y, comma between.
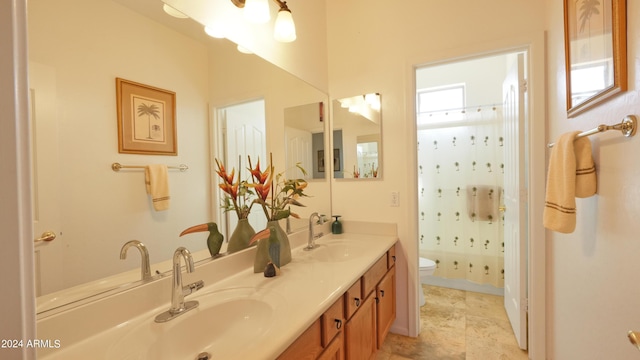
x: 157, y: 183
x: 571, y: 173
x: 585, y: 168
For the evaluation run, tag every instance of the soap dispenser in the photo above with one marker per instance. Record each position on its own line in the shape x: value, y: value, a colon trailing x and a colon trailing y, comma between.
x: 336, y: 226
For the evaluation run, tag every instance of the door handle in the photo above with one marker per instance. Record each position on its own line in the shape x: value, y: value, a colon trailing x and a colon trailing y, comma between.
x: 46, y: 237
x: 502, y: 208
x: 634, y: 338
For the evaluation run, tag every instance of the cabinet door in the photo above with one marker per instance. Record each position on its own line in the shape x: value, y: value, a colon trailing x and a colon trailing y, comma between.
x: 307, y: 347
x: 335, y: 350
x: 386, y: 307
x: 360, y: 332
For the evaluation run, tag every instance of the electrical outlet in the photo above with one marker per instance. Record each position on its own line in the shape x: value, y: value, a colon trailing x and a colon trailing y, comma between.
x: 395, y: 198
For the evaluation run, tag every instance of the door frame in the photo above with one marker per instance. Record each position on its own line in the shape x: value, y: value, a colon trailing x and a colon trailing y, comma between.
x: 16, y: 261
x: 534, y: 45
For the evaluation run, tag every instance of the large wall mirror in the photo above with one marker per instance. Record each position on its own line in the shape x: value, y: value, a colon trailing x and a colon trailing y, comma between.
x: 595, y: 51
x: 357, y: 137
x: 77, y: 48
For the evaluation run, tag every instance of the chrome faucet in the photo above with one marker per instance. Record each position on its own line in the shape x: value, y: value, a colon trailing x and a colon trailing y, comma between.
x: 312, y: 236
x: 145, y: 268
x: 178, y: 292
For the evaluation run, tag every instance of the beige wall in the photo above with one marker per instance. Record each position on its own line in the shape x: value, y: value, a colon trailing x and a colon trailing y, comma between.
x: 373, y: 48
x: 592, y: 286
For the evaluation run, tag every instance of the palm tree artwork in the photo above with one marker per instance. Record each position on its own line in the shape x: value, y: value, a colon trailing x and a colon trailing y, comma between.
x: 588, y: 8
x: 149, y: 111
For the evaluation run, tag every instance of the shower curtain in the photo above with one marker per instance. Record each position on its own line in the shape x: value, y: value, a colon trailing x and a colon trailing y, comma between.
x: 460, y: 182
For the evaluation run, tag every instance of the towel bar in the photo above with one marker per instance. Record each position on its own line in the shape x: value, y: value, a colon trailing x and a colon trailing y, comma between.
x: 627, y: 127
x: 117, y: 166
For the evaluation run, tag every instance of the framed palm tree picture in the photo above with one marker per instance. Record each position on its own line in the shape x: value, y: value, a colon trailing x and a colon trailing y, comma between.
x: 146, y: 119
x: 595, y: 52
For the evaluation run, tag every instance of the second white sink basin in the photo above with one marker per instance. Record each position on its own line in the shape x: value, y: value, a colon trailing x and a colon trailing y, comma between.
x: 337, y: 251
x: 240, y: 314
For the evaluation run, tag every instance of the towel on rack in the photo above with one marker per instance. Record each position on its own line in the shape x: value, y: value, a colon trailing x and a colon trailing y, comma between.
x: 483, y: 202
x: 157, y: 183
x: 571, y: 173
x: 586, y: 179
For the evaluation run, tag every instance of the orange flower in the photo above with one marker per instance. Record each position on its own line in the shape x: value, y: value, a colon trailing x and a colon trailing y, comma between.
x: 258, y: 175
x: 228, y: 178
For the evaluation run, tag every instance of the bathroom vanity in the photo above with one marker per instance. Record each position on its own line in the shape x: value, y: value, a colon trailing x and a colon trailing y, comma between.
x: 336, y: 301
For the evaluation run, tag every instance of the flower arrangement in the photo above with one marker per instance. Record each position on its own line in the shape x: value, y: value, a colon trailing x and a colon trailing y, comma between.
x: 276, y: 197
x: 237, y: 192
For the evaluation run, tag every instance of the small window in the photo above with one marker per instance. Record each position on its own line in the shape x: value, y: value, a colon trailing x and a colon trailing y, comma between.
x: 443, y: 103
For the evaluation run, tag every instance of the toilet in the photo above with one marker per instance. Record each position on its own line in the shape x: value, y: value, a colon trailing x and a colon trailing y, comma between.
x: 427, y: 267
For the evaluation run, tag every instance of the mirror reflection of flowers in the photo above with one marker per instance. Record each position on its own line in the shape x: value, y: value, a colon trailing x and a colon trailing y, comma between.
x: 276, y: 197
x: 237, y: 192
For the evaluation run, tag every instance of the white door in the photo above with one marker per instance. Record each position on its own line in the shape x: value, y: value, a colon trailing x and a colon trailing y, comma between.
x: 45, y: 183
x: 244, y: 131
x: 515, y: 201
x: 298, y: 149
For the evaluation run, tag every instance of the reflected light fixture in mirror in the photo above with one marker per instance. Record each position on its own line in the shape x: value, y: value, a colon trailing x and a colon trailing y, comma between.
x: 357, y: 136
x: 257, y: 11
x: 173, y: 12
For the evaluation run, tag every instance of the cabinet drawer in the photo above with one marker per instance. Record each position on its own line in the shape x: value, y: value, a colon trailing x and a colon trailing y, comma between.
x: 391, y: 257
x: 307, y: 346
x: 332, y: 321
x: 353, y: 299
x: 372, y: 277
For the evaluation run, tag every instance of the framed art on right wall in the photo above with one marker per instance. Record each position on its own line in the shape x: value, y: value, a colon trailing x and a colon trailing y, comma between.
x: 595, y: 34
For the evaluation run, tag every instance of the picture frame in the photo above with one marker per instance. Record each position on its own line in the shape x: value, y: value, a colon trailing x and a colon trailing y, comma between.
x: 595, y: 52
x: 146, y: 119
x: 320, y: 160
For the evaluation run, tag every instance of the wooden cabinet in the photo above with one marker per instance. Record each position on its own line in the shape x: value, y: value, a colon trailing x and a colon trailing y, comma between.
x: 335, y: 350
x: 353, y: 298
x: 386, y: 305
x: 332, y: 322
x: 355, y: 326
x: 307, y: 347
x: 360, y: 332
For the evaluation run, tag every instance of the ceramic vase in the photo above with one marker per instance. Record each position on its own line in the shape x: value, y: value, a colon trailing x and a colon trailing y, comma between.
x: 240, y: 237
x: 262, y: 253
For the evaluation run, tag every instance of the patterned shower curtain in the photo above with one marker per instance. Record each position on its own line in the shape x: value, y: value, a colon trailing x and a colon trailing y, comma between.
x: 460, y: 182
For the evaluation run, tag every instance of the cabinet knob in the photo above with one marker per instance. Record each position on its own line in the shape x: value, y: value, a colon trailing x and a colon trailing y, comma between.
x: 382, y: 293
x: 377, y: 300
x: 394, y: 258
x: 338, y: 324
x: 357, y: 301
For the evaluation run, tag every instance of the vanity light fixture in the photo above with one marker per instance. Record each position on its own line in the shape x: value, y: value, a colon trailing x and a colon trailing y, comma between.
x: 257, y: 11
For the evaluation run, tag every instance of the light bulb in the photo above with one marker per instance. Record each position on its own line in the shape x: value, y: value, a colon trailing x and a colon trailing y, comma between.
x: 257, y: 11
x: 215, y: 30
x: 284, y: 29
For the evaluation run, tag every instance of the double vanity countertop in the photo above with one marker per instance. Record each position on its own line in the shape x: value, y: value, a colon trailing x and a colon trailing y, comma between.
x: 241, y: 315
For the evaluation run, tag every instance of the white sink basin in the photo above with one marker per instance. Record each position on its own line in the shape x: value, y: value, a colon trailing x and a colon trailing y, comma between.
x: 337, y: 251
x: 225, y: 324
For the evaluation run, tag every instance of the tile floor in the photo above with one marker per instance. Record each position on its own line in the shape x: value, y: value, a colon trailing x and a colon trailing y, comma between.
x: 457, y: 325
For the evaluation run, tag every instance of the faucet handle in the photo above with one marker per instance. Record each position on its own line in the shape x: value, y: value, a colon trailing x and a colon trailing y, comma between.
x: 193, y: 287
